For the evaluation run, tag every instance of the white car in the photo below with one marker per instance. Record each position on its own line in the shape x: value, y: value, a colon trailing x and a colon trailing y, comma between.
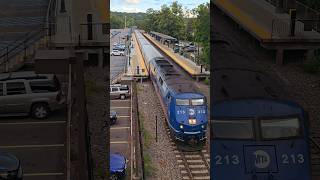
x: 117, y: 53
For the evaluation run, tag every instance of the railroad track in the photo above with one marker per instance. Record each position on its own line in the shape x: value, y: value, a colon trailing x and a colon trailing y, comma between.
x: 315, y: 153
x: 194, y: 164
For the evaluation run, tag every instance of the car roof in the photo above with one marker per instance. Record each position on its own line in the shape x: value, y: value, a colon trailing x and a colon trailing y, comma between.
x: 28, y: 75
x: 117, y: 162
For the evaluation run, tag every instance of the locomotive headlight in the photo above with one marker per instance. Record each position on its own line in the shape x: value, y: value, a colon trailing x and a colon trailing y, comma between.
x: 192, y: 112
x: 181, y: 126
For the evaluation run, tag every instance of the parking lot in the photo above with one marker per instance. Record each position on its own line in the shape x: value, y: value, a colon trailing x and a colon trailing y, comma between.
x: 120, y: 133
x: 117, y: 63
x: 39, y: 144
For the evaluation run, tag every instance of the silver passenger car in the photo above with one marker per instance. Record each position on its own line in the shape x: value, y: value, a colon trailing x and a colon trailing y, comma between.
x: 28, y: 93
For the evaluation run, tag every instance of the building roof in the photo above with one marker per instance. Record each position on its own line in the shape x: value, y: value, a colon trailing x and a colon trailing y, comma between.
x: 163, y: 36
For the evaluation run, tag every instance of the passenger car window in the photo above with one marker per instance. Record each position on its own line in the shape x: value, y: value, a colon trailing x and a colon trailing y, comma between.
x: 43, y: 86
x: 1, y: 89
x: 16, y: 88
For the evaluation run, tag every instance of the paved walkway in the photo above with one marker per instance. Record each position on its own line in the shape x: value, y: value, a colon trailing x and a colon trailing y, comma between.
x: 136, y: 60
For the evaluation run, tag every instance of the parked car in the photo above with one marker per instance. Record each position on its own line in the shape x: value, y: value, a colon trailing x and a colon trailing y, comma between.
x: 119, y: 91
x: 28, y: 93
x: 113, y: 117
x: 118, y: 166
x: 190, y: 49
x: 10, y: 167
x: 116, y: 52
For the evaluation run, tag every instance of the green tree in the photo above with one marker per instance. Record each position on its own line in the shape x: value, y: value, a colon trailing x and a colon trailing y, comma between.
x: 202, y: 30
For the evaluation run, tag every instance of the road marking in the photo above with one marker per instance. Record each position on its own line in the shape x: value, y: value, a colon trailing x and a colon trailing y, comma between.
x: 118, y: 100
x: 120, y: 107
x: 32, y: 146
x: 123, y: 116
x: 43, y: 174
x: 119, y: 142
x: 33, y: 122
x: 119, y: 128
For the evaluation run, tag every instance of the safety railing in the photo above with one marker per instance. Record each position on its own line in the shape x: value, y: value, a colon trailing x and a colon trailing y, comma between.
x: 281, y: 28
x: 94, y: 33
x: 305, y: 14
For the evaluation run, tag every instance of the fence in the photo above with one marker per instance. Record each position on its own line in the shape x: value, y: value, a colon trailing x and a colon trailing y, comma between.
x: 309, y: 17
x: 94, y: 32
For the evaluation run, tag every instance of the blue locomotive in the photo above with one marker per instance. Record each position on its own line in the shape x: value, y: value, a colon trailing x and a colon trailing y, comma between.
x: 185, y: 108
x: 257, y: 132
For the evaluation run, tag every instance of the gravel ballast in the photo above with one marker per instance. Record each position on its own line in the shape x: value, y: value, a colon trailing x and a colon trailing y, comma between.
x: 161, y: 153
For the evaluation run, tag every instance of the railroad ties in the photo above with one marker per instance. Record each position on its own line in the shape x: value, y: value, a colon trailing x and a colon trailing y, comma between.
x: 193, y: 165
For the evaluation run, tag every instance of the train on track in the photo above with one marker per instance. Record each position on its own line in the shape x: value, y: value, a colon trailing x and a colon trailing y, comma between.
x: 185, y: 108
x: 257, y: 131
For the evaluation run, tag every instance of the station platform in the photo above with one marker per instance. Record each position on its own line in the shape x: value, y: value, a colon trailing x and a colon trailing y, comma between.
x: 137, y: 66
x: 189, y: 66
x: 262, y: 21
x: 271, y: 29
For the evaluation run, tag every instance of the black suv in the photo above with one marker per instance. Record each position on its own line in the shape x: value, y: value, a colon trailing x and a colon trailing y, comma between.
x: 113, y: 117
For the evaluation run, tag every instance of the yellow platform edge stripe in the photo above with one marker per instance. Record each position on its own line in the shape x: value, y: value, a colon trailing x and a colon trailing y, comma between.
x: 244, y: 18
x: 183, y: 65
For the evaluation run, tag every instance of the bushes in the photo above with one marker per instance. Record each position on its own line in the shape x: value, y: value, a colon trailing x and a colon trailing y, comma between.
x: 312, y: 66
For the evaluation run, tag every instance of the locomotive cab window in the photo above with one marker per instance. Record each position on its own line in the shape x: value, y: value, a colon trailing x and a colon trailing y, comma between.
x: 197, y: 102
x: 182, y: 102
x: 280, y: 128
x: 233, y: 129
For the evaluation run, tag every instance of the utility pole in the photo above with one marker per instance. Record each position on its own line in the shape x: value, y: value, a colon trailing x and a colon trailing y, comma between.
x: 83, y: 161
x: 125, y: 22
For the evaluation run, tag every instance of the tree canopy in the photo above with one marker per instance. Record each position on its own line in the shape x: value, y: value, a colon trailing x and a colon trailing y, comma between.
x: 173, y: 20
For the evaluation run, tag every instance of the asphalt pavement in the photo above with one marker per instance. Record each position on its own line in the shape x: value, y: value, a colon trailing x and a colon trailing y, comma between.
x: 117, y: 63
x: 121, y: 132
x: 39, y: 144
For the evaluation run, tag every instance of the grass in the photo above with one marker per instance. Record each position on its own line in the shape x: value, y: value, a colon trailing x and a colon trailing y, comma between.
x: 312, y: 66
x: 148, y: 167
x: 91, y: 86
x: 206, y: 81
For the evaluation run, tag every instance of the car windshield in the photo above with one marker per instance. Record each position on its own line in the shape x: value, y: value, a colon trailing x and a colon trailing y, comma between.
x: 197, y: 102
x: 280, y: 128
x: 233, y: 129
x: 182, y: 102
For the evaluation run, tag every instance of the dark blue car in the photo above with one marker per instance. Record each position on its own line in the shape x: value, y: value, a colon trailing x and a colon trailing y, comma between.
x: 10, y: 167
x: 118, y: 166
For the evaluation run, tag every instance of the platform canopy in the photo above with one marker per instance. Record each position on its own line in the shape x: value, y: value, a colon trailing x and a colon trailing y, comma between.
x: 163, y: 36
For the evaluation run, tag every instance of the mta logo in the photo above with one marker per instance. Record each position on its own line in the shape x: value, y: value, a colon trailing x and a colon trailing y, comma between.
x: 262, y: 159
